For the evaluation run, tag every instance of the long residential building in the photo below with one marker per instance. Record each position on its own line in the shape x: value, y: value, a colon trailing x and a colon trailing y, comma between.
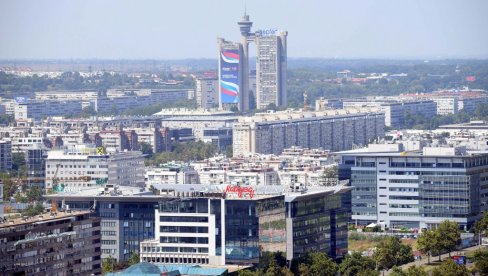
x: 395, y: 111
x: 63, y: 243
x: 37, y: 109
x: 334, y: 130
x: 416, y: 189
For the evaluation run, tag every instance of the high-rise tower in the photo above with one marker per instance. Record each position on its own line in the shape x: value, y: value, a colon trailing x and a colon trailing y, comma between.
x: 246, y: 36
x: 230, y: 74
x: 271, y: 66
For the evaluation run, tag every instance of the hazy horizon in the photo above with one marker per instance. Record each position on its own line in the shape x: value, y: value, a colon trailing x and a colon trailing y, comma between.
x: 188, y: 29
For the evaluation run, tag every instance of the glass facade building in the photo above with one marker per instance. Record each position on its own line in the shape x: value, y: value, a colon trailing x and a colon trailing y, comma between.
x: 317, y: 222
x: 210, y: 230
x: 416, y: 190
x: 125, y: 221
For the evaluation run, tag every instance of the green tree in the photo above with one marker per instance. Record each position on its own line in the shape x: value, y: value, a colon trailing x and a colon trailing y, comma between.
x: 304, y: 270
x: 448, y: 236
x: 228, y: 151
x: 273, y: 269
x: 481, y: 262
x: 267, y: 258
x: 88, y: 112
x: 411, y: 271
x: 330, y: 174
x: 450, y: 268
x: 108, y: 264
x: 318, y: 264
x: 19, y: 163
x: 34, y: 194
x: 133, y: 259
x: 355, y: 263
x: 33, y: 210
x: 426, y: 243
x: 285, y: 271
x: 481, y: 226
x: 9, y: 187
x: 146, y: 148
x: 391, y: 252
x: 247, y: 272
x: 397, y: 271
x: 368, y: 272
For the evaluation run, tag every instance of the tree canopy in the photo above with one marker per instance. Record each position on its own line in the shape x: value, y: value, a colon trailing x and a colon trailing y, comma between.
x: 355, y: 263
x: 318, y: 264
x: 391, y: 252
x: 184, y: 152
x: 450, y: 268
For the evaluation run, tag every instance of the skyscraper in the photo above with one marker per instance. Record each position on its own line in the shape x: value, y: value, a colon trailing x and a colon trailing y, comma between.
x: 271, y: 66
x: 230, y: 74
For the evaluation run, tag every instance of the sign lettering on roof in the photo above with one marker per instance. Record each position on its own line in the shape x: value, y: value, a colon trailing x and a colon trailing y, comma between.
x: 240, y: 192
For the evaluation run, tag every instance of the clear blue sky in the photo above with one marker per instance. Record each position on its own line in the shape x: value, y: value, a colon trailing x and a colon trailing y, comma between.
x: 161, y: 29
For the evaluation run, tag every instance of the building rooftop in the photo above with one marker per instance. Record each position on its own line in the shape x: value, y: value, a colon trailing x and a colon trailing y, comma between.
x: 289, y: 114
x: 173, y: 112
x: 151, y: 269
x: 311, y: 192
x: 45, y: 217
x: 397, y: 150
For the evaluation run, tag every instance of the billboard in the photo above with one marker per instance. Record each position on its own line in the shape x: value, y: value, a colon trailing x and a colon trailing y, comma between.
x: 229, y: 76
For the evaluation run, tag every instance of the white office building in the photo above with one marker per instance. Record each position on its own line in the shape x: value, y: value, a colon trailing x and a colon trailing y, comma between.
x: 81, y: 167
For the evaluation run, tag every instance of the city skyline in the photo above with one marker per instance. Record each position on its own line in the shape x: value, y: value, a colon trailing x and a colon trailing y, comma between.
x: 156, y: 30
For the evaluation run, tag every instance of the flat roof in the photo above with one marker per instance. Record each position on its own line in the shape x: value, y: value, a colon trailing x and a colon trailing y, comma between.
x: 197, y: 191
x: 45, y: 217
x: 315, y: 191
x: 419, y: 153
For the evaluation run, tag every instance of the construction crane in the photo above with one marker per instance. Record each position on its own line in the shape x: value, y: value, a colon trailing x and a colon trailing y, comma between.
x: 55, y: 180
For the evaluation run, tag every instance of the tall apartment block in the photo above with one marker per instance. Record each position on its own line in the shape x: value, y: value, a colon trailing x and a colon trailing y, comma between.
x: 271, y: 64
x: 416, y: 189
x: 207, y: 93
x: 271, y: 133
x: 61, y: 244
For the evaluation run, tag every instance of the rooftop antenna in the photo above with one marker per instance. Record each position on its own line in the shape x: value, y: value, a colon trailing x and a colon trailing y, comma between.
x: 245, y: 7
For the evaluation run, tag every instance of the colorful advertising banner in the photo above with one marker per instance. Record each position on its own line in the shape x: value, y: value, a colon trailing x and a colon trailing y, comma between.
x: 229, y: 76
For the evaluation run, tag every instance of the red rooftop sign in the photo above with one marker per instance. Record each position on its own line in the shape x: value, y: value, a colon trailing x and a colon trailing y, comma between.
x: 240, y: 191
